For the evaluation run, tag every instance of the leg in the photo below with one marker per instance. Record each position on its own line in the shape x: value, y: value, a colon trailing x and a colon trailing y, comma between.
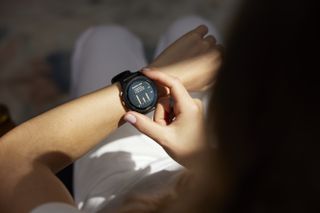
x: 100, y: 54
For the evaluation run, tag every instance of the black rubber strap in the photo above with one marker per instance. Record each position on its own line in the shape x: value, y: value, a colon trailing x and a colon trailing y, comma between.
x: 121, y: 76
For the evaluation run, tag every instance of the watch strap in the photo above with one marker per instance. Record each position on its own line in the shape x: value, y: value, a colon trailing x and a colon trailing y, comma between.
x: 124, y: 77
x: 121, y: 76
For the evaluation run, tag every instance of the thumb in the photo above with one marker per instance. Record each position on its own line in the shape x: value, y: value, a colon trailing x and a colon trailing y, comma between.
x: 144, y: 125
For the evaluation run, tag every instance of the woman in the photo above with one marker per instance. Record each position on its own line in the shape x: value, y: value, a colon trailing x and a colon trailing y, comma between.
x: 265, y: 121
x: 37, y: 149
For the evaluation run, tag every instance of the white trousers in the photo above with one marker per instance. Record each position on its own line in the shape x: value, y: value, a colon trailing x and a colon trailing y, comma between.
x: 101, y: 53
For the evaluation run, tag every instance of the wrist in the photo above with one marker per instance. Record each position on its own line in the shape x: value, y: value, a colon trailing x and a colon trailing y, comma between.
x: 172, y: 70
x: 192, y: 80
x: 117, y: 90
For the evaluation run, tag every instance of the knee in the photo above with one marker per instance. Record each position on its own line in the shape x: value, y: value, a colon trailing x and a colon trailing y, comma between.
x: 110, y: 32
x: 190, y: 22
x: 101, y: 35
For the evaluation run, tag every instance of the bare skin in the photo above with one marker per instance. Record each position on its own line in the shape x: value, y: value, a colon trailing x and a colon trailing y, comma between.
x: 34, y: 151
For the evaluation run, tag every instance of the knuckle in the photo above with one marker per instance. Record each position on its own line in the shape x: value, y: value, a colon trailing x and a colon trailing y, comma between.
x: 198, y: 101
x: 200, y: 42
x: 195, y: 35
x: 212, y: 39
x: 220, y: 50
x: 213, y: 54
x: 197, y: 106
x: 194, y: 109
x: 206, y: 43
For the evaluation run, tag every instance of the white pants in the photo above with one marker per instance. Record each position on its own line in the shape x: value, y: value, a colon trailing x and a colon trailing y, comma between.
x: 101, y: 53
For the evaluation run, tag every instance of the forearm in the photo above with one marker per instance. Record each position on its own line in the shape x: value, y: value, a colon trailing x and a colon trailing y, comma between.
x: 33, y: 151
x: 63, y: 134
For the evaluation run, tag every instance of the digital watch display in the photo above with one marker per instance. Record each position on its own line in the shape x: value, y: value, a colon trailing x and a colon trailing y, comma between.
x: 139, y: 93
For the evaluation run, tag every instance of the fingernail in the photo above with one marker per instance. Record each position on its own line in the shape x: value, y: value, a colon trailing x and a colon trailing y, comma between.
x: 130, y: 118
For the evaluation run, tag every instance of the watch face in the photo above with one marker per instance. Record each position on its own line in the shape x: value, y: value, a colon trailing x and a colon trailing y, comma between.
x: 141, y: 93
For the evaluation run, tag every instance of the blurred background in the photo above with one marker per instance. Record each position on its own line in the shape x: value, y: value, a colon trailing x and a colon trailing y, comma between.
x: 37, y: 39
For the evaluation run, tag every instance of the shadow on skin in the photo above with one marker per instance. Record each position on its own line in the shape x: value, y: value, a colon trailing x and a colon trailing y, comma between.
x: 36, y: 184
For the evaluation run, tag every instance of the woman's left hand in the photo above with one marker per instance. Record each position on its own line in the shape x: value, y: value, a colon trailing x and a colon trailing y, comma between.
x: 194, y: 55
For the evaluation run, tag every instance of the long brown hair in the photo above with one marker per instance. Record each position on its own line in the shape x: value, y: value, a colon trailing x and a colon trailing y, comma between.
x: 265, y: 108
x: 264, y: 114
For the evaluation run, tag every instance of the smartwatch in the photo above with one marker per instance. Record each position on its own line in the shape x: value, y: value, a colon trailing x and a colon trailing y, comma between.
x: 138, y: 92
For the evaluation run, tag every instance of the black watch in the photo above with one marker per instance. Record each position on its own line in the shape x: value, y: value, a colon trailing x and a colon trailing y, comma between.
x: 139, y: 93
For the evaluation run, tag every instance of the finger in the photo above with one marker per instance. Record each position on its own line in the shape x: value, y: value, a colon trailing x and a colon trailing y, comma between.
x: 145, y: 125
x: 199, y: 103
x: 159, y: 114
x: 201, y: 30
x: 210, y: 39
x: 221, y: 49
x: 162, y: 91
x: 162, y: 111
x: 178, y: 92
x: 215, y: 52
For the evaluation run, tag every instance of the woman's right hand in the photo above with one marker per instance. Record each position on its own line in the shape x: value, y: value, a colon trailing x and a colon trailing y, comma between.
x: 183, y: 137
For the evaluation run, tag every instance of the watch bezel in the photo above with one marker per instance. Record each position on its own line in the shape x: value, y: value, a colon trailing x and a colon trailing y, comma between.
x: 127, y: 100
